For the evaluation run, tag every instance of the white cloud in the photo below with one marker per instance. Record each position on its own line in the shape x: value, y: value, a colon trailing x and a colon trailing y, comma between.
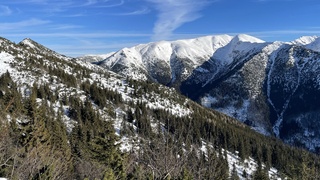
x: 173, y: 14
x: 5, y: 11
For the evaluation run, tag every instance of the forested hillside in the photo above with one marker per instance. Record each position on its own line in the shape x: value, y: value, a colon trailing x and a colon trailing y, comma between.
x: 61, y: 118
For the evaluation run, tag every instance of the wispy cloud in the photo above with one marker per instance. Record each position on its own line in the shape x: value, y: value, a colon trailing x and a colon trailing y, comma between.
x: 136, y: 12
x: 54, y: 7
x: 22, y: 24
x: 90, y: 2
x: 80, y: 35
x: 66, y: 26
x: 120, y: 3
x: 31, y: 1
x: 271, y: 0
x: 286, y: 32
x: 5, y: 11
x: 75, y: 15
x: 174, y: 13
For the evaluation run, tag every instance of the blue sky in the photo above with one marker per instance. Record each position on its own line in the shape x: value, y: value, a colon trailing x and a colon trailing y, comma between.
x: 78, y: 27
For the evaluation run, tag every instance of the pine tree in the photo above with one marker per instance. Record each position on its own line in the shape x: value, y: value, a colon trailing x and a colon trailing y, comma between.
x: 185, y: 175
x: 47, y: 154
x: 109, y: 175
x: 244, y: 174
x: 260, y: 174
x: 234, y: 174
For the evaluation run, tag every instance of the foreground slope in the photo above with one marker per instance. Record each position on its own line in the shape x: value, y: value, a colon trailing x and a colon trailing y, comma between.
x: 65, y: 119
x: 271, y: 86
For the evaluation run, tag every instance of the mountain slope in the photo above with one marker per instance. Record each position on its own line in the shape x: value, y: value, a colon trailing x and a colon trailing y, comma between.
x: 66, y: 119
x: 259, y: 83
x: 274, y: 92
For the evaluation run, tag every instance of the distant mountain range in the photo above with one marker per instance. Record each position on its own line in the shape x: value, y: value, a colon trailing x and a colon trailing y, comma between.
x: 94, y: 57
x: 272, y: 86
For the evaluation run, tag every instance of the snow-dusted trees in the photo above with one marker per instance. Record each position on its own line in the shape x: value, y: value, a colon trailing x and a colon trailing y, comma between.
x: 35, y: 144
x: 166, y: 157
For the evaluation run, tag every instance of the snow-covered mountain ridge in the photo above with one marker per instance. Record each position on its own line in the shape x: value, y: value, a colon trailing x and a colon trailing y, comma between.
x: 172, y: 62
x: 267, y: 85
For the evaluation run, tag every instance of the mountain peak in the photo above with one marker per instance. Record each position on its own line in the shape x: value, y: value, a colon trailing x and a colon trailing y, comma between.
x: 304, y: 40
x: 247, y: 38
x: 5, y: 42
x: 27, y: 39
x: 309, y: 42
x: 29, y: 42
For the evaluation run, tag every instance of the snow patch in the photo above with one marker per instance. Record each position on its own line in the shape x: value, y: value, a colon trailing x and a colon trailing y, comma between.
x: 249, y: 165
x: 5, y: 60
x: 208, y: 100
